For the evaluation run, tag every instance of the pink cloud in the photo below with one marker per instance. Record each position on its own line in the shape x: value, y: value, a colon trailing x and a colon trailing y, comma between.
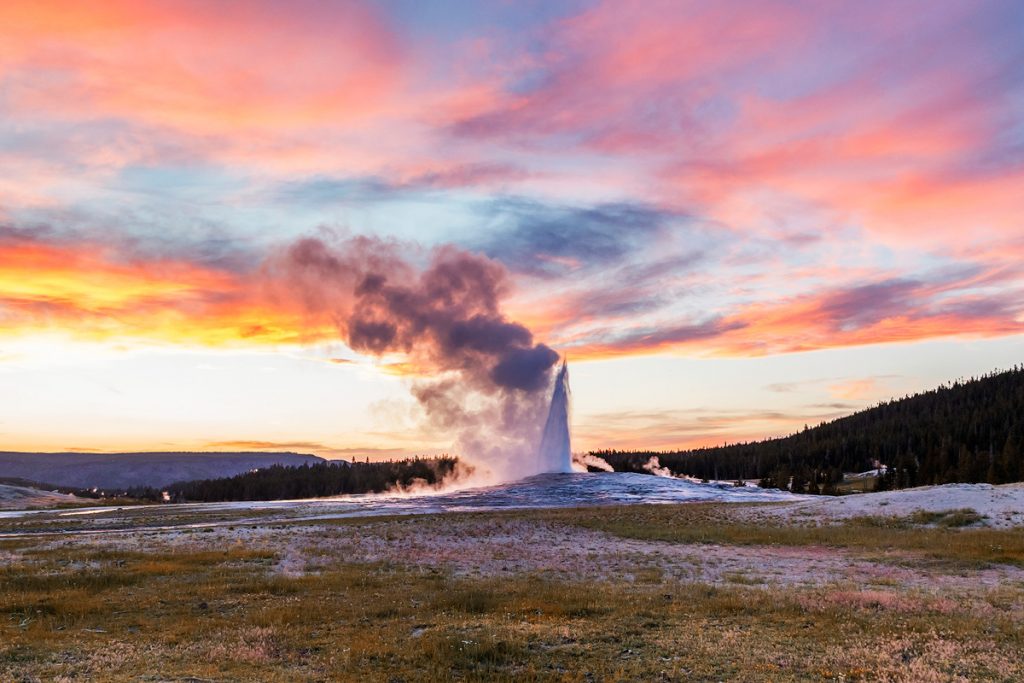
x: 197, y: 66
x: 855, y: 390
x: 875, y: 115
x: 883, y: 310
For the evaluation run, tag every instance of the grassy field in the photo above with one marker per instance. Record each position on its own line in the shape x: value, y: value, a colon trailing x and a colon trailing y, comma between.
x: 857, y: 485
x: 923, y: 535
x: 75, y: 609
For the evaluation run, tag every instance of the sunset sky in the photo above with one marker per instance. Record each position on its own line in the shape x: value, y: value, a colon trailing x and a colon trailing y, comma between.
x: 735, y: 218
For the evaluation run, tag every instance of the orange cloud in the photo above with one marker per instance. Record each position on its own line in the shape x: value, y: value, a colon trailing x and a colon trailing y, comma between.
x: 885, y: 311
x: 869, y: 314
x: 89, y: 276
x: 90, y: 291
x: 101, y: 292
x: 855, y: 390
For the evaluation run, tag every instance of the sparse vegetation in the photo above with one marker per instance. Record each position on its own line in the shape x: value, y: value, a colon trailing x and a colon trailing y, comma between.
x: 706, y: 523
x: 72, y: 608
x: 947, y: 518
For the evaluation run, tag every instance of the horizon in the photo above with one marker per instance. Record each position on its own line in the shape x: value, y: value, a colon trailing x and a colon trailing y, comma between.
x: 217, y: 208
x: 354, y: 457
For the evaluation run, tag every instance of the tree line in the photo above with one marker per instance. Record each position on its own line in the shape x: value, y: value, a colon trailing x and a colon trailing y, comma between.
x: 282, y: 482
x: 966, y: 431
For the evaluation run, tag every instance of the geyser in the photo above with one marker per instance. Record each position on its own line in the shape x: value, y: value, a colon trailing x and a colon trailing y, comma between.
x: 478, y: 375
x: 555, y: 453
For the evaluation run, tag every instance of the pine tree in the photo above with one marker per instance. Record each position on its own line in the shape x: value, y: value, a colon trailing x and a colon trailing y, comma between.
x: 963, y: 431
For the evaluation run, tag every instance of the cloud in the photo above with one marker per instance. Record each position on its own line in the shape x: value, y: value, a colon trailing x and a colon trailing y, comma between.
x: 886, y: 311
x: 548, y: 240
x: 883, y: 132
x: 323, y: 450
x: 95, y: 290
x: 129, y: 289
x: 205, y: 68
x: 865, y: 305
x: 620, y: 77
x: 269, y: 445
x: 839, y: 387
x: 332, y: 191
x: 890, y: 310
x: 656, y: 338
x: 697, y: 427
x: 854, y: 390
x: 397, y: 184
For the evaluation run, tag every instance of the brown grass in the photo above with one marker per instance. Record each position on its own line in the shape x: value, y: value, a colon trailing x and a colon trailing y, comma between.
x: 707, y: 523
x: 948, y: 518
x: 69, y: 610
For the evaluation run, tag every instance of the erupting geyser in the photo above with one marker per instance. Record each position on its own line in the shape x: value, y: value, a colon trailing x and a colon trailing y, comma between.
x: 555, y: 453
x: 479, y: 376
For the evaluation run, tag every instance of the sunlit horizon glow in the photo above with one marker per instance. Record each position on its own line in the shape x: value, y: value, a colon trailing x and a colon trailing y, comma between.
x: 735, y: 218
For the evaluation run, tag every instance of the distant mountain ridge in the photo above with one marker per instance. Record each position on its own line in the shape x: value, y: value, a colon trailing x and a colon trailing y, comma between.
x: 121, y: 471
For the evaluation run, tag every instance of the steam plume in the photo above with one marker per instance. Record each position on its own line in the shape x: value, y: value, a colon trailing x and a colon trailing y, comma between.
x: 584, y: 461
x: 654, y: 467
x: 555, y: 443
x: 488, y: 377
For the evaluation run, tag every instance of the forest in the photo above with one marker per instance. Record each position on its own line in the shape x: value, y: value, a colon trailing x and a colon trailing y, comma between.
x: 279, y: 482
x: 965, y: 431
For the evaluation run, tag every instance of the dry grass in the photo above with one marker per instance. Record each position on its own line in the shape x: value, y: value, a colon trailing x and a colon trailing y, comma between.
x: 711, y: 523
x: 72, y: 611
x: 947, y: 518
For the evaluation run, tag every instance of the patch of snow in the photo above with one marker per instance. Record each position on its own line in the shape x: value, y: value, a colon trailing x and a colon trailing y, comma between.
x: 22, y: 497
x: 1000, y: 506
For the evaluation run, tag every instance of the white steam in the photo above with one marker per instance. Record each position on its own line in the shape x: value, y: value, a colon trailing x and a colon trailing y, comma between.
x: 654, y: 467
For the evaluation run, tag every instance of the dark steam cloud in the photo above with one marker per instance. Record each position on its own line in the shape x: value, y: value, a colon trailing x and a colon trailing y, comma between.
x: 525, y: 369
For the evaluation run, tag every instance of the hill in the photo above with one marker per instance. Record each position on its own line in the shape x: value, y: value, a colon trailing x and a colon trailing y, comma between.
x: 14, y: 497
x: 964, y: 432
x: 123, y: 471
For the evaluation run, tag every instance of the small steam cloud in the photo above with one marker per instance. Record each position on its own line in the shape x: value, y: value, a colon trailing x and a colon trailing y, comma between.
x: 586, y: 460
x: 488, y: 377
x: 462, y: 476
x: 654, y: 467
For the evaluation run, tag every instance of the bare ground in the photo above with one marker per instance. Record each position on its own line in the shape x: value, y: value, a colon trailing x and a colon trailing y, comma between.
x: 686, y: 592
x: 495, y: 545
